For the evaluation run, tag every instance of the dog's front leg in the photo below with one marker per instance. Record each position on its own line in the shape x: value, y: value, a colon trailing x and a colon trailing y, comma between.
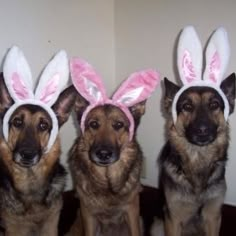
x: 133, y: 219
x: 172, y: 226
x: 88, y: 220
x: 50, y: 226
x: 211, y: 214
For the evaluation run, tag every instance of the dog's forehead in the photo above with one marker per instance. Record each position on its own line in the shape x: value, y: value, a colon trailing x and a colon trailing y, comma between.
x: 31, y: 110
x: 200, y: 94
x: 107, y: 111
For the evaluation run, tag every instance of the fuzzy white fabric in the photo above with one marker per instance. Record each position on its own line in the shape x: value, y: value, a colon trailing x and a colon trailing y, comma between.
x: 189, y: 62
x: 18, y: 79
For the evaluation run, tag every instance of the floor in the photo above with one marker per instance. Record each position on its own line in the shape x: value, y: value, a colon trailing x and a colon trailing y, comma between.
x: 151, y: 208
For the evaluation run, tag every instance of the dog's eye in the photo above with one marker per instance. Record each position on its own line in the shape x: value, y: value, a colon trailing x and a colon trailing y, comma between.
x: 17, y: 122
x: 188, y: 107
x: 94, y: 124
x: 118, y: 125
x: 43, y: 126
x: 214, y: 105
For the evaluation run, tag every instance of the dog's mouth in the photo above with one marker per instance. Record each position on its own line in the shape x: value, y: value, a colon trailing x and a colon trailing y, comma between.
x: 26, y: 160
x: 104, y: 156
x: 201, y: 140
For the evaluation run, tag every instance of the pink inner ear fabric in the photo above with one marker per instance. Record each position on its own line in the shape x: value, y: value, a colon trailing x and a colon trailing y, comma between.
x: 137, y: 87
x: 188, y: 68
x: 214, y: 67
x: 50, y: 89
x: 19, y: 87
x: 87, y: 81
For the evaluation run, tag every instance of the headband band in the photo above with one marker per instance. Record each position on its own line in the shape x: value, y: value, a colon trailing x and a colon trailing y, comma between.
x: 189, y: 59
x: 18, y: 80
x: 137, y: 88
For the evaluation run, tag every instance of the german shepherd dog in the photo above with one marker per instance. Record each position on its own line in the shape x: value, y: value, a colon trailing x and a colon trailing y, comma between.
x: 106, y: 171
x: 106, y: 159
x: 31, y: 181
x: 193, y: 160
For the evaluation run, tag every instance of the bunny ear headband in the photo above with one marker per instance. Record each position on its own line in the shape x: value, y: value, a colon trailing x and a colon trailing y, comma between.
x: 137, y: 88
x: 189, y: 56
x: 18, y: 79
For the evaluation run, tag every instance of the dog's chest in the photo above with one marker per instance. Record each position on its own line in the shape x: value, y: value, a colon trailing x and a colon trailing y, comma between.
x: 193, y: 173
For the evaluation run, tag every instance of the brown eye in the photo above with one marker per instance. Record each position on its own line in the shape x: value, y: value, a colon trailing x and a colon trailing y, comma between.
x: 188, y: 107
x: 43, y: 126
x: 118, y: 125
x: 17, y: 122
x: 94, y: 124
x: 214, y: 105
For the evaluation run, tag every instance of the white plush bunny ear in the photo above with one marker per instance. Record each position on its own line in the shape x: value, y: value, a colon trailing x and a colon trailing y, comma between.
x: 189, y: 56
x: 53, y: 79
x: 137, y: 88
x: 87, y: 82
x: 217, y: 56
x: 17, y: 75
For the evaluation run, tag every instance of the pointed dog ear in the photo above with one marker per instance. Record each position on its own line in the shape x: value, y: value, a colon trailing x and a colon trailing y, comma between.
x: 170, y: 90
x: 80, y: 106
x: 228, y: 87
x: 64, y: 104
x: 5, y: 99
x: 138, y: 111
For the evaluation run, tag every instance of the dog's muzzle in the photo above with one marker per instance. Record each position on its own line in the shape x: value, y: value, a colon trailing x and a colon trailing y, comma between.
x: 103, y: 155
x: 201, y: 135
x: 26, y: 157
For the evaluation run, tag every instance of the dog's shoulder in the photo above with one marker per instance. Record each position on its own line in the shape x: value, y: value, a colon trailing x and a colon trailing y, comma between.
x: 169, y: 155
x: 6, y: 181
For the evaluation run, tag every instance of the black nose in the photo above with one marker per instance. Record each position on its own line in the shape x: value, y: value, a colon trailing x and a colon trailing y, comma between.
x: 104, y: 154
x: 28, y: 153
x: 202, y: 130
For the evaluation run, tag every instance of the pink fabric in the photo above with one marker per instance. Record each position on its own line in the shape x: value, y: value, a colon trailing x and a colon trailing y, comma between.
x: 138, y: 87
x: 87, y: 81
x: 19, y: 87
x: 214, y: 69
x: 50, y: 89
x: 187, y: 67
x: 108, y: 101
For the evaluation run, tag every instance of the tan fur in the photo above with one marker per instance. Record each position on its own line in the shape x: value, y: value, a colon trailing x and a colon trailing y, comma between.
x: 193, y: 180
x: 26, y: 214
x: 109, y: 195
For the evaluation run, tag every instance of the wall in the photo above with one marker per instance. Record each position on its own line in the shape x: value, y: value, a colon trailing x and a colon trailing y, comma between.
x: 145, y: 33
x: 41, y: 28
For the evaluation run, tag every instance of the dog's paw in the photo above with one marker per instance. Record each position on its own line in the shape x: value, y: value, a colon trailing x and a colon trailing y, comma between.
x: 157, y: 228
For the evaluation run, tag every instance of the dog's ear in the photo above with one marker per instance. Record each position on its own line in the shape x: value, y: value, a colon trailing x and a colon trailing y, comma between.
x: 138, y: 111
x: 170, y: 90
x: 80, y: 106
x: 228, y: 87
x: 64, y: 104
x: 5, y: 99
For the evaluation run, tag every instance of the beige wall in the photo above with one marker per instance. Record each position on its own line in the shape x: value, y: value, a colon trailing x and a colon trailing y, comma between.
x: 145, y: 33
x: 117, y: 37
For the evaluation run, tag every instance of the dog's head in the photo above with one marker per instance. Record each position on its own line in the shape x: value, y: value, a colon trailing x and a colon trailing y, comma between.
x: 107, y: 130
x: 107, y: 124
x: 30, y: 125
x: 200, y: 110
